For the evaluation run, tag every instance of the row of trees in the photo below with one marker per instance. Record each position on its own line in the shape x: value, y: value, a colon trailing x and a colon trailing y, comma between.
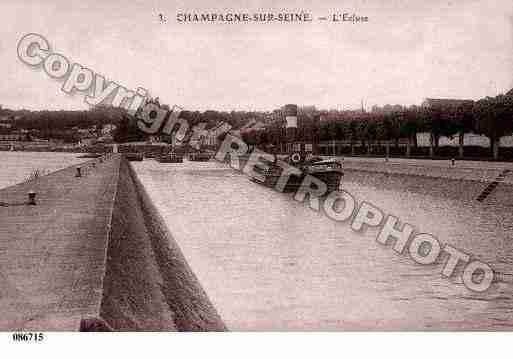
x: 61, y: 125
x: 491, y: 116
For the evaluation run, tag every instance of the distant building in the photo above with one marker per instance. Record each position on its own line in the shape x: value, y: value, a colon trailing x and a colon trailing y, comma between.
x: 251, y: 125
x: 469, y: 139
x: 12, y: 137
x: 106, y: 139
x: 444, y: 103
x: 108, y: 129
x: 19, y: 135
x: 211, y: 136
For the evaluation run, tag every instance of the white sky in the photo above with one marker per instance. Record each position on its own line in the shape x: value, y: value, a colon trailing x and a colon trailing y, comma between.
x: 408, y: 50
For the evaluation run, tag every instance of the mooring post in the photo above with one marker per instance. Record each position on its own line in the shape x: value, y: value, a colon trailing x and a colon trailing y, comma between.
x: 32, y: 198
x: 79, y: 172
x: 453, y: 161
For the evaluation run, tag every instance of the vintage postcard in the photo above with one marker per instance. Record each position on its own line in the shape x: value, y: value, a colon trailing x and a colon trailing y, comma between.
x: 256, y: 166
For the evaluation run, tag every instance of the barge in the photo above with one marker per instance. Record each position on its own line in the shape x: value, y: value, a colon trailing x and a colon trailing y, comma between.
x: 170, y: 158
x: 328, y: 171
x: 200, y: 156
x: 134, y: 156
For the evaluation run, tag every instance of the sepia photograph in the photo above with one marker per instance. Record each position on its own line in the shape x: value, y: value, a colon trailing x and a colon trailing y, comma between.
x: 255, y: 166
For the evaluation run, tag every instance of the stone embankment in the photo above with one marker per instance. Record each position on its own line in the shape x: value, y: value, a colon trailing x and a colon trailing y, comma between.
x: 94, y: 254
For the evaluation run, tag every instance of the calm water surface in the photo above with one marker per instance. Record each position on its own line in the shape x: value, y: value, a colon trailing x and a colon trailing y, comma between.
x: 17, y: 166
x: 270, y: 263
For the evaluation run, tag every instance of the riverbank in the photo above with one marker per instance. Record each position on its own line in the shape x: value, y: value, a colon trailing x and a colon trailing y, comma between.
x: 490, y: 183
x: 481, y: 171
x: 486, y: 182
x: 92, y: 256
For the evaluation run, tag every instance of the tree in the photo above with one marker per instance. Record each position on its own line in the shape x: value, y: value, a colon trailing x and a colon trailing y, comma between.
x: 464, y: 120
x: 411, y: 124
x: 494, y: 117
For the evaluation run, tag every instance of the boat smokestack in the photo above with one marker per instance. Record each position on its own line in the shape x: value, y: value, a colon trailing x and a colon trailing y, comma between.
x: 290, y: 112
x: 291, y: 121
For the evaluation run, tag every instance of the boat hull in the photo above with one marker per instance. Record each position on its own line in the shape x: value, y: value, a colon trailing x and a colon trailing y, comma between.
x: 200, y: 157
x: 134, y: 156
x: 331, y: 178
x: 170, y: 159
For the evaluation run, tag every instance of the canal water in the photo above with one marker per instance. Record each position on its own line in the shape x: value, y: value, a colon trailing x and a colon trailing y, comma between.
x: 268, y: 262
x: 15, y: 167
